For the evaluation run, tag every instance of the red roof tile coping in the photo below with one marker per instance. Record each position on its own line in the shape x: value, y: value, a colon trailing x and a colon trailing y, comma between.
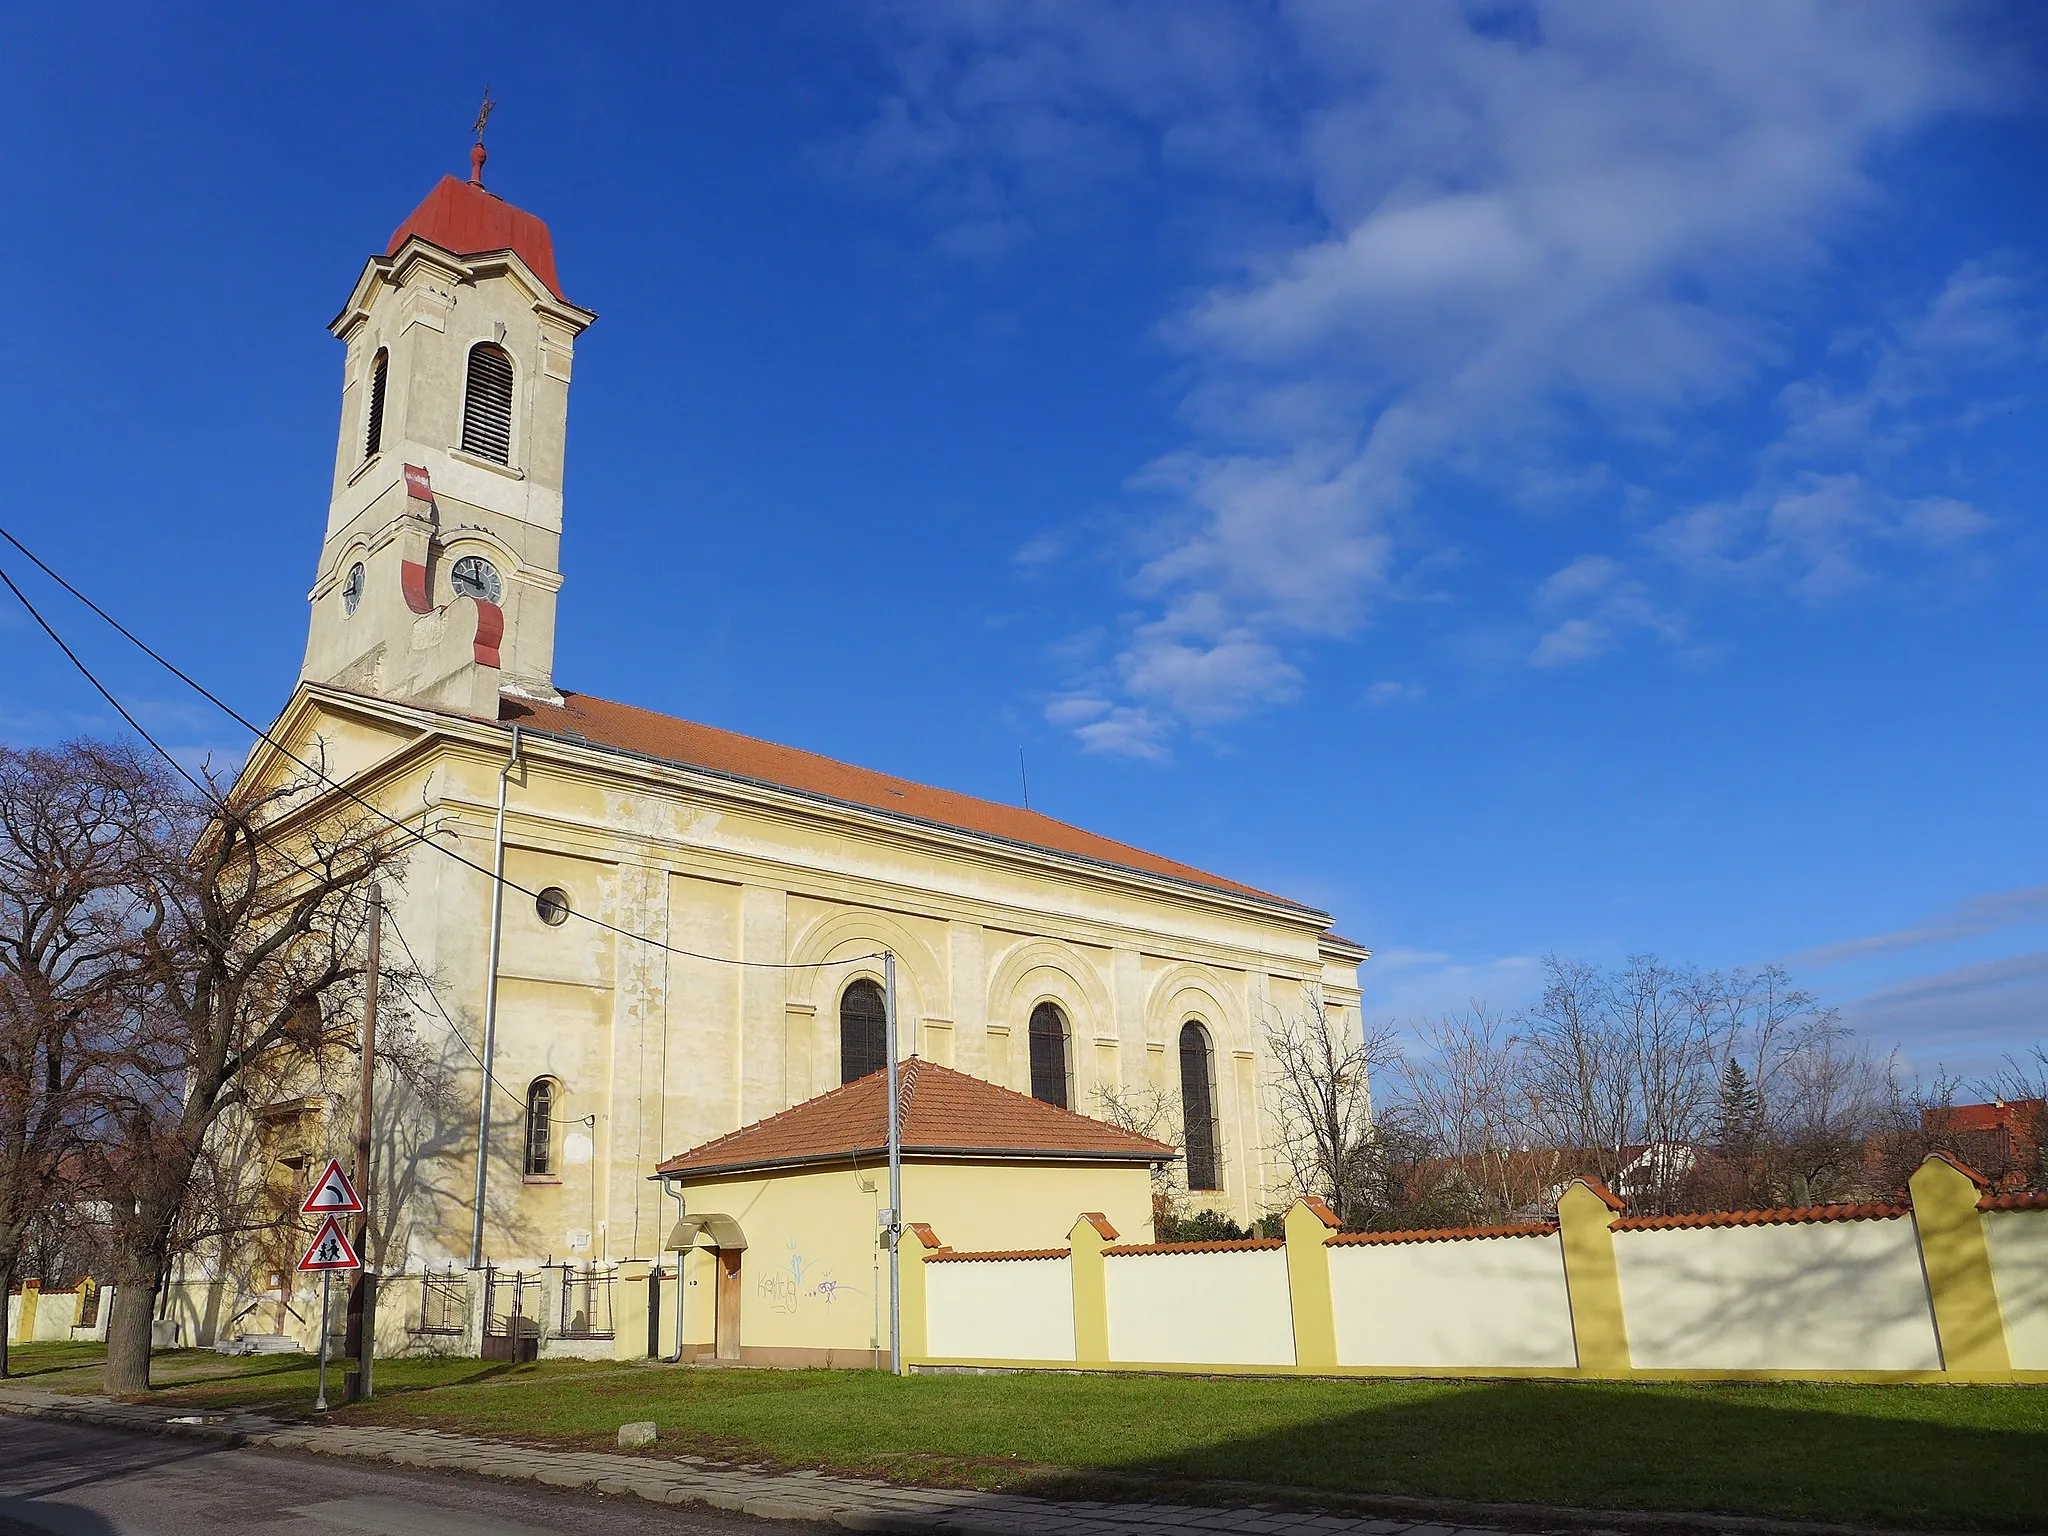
x: 1776, y: 1216
x: 1321, y: 1211
x: 923, y: 1233
x: 1438, y: 1235
x: 2021, y: 1200
x: 1219, y: 1245
x: 1608, y: 1197
x: 465, y: 220
x: 687, y: 744
x: 1101, y: 1224
x: 943, y: 1113
x: 1959, y: 1165
x: 999, y: 1255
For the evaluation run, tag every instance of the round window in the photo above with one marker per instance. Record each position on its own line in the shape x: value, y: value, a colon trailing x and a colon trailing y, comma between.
x: 553, y: 906
x: 352, y: 589
x: 474, y: 576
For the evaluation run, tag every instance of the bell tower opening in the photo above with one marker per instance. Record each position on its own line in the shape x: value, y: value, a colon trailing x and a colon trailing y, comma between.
x: 441, y: 561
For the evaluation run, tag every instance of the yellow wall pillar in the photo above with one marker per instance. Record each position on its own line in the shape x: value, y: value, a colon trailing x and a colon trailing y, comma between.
x: 920, y: 1240
x: 1309, y: 1225
x: 25, y: 1321
x: 1090, y: 1235
x: 1957, y: 1262
x: 1585, y: 1224
x: 629, y: 1310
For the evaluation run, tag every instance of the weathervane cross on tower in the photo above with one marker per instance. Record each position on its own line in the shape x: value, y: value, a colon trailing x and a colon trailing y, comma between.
x: 476, y: 154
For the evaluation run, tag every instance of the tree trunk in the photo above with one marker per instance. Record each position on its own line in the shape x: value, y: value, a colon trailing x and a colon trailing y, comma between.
x: 6, y: 1290
x: 128, y: 1337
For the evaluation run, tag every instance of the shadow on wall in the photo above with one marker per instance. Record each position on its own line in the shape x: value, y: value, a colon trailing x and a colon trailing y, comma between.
x: 1846, y: 1453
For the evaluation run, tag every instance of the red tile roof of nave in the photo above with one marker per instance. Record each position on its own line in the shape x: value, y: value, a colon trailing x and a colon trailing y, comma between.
x: 462, y: 218
x: 688, y: 744
x: 943, y: 1111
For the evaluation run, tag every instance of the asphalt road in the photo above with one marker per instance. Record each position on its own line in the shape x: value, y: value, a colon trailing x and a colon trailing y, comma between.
x: 83, y: 1481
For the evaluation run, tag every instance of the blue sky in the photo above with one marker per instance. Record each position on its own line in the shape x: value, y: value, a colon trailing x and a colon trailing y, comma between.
x: 1522, y: 477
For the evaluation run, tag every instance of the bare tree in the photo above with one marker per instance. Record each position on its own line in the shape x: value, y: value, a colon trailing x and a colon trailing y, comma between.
x: 1322, y: 1098
x: 1463, y: 1107
x: 1148, y: 1111
x: 72, y: 823
x: 245, y: 981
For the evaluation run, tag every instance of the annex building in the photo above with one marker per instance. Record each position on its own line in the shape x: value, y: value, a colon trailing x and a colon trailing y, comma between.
x: 741, y: 891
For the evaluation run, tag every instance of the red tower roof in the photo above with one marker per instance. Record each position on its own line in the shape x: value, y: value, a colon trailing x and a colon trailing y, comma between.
x: 465, y: 220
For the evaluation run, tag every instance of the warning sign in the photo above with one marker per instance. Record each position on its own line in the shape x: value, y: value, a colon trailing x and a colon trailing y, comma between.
x: 332, y: 1194
x: 330, y: 1250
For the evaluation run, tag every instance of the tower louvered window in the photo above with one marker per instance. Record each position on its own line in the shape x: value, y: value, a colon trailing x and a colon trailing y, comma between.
x: 1198, y: 1106
x: 863, y: 1032
x: 373, y: 436
x: 1049, y: 1055
x: 487, y: 404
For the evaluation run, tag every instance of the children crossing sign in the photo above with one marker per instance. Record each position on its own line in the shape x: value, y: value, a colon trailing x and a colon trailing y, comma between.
x: 332, y: 1194
x: 330, y: 1250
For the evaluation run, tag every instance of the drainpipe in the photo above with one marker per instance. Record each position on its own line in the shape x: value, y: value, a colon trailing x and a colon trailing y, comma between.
x: 676, y: 1358
x: 483, y: 1108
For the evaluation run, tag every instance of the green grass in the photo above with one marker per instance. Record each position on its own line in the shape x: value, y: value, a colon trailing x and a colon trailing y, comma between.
x: 1901, y: 1456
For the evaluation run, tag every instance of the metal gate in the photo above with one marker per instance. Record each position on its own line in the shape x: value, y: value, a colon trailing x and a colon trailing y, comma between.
x: 511, y: 1331
x: 587, y: 1303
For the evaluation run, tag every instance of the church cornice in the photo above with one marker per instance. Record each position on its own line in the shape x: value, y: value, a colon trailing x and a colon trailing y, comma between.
x: 397, y: 269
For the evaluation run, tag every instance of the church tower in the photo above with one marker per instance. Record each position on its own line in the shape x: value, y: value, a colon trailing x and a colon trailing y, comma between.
x: 441, y: 563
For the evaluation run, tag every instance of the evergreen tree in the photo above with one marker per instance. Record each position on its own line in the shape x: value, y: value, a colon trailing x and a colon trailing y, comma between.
x: 1739, y: 1116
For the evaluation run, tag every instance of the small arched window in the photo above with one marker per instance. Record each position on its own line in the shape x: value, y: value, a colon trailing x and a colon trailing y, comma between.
x: 1049, y: 1055
x: 1198, y: 1106
x: 540, y: 1125
x: 373, y: 433
x: 487, y: 404
x: 863, y: 1031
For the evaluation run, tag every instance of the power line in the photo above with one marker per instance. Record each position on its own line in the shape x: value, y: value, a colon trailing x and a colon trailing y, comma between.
x: 415, y: 833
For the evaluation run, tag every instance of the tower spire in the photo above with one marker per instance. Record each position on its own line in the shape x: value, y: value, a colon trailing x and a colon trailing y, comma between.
x: 476, y: 154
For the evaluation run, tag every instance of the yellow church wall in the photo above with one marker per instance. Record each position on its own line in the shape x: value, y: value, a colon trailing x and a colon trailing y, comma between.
x: 667, y: 1051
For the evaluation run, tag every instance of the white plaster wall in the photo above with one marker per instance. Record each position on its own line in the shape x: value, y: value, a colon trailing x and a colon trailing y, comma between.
x: 1823, y: 1295
x: 2019, y: 1268
x: 999, y: 1309
x: 1200, y: 1308
x: 1497, y: 1301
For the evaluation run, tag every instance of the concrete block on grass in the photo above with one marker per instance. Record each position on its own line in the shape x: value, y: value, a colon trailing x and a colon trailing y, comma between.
x: 636, y: 1436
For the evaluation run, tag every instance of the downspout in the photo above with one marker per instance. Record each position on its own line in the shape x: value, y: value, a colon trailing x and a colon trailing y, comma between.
x: 483, y: 1108
x: 895, y: 1229
x: 676, y: 1358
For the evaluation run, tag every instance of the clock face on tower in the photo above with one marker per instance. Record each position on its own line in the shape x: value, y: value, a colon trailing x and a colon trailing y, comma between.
x: 474, y: 576
x: 352, y: 589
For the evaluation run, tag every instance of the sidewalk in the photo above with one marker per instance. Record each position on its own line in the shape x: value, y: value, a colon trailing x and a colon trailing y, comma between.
x: 852, y: 1503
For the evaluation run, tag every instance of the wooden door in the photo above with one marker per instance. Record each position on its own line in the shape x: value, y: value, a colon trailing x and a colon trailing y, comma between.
x: 726, y: 1338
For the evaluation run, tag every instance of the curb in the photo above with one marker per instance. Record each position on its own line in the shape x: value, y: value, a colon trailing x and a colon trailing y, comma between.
x: 654, y: 1482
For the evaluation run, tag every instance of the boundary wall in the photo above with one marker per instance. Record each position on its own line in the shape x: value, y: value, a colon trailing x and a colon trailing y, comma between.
x: 1951, y: 1285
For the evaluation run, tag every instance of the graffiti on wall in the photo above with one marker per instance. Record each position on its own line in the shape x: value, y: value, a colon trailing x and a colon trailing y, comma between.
x: 798, y: 1280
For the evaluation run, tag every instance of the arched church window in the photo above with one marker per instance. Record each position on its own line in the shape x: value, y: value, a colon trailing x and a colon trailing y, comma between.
x: 540, y: 1127
x: 1198, y: 1106
x: 863, y: 1031
x: 373, y: 434
x: 1049, y: 1055
x: 487, y: 404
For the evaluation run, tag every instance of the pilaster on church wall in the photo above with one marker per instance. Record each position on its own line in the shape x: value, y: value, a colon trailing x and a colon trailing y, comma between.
x: 632, y: 1212
x: 967, y: 964
x: 764, y: 937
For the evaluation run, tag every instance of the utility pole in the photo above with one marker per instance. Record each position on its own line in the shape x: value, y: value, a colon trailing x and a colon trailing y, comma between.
x: 895, y: 1228
x: 362, y: 1301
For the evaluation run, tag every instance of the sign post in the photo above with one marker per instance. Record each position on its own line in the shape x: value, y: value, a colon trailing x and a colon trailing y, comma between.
x: 333, y: 1197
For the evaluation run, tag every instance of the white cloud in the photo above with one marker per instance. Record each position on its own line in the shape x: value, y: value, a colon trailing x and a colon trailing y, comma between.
x: 1980, y: 914
x: 1495, y: 221
x: 1391, y: 691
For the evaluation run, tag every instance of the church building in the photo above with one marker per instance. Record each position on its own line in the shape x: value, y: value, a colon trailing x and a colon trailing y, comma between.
x: 693, y: 921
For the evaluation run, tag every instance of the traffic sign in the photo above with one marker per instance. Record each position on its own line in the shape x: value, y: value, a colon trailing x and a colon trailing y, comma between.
x: 332, y: 1194
x: 330, y: 1250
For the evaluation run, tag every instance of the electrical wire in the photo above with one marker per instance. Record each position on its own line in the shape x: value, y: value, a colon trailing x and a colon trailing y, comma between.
x: 377, y: 811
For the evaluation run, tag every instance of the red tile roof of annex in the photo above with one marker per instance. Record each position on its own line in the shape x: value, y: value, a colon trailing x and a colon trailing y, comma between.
x: 462, y: 218
x: 944, y: 1113
x: 688, y: 744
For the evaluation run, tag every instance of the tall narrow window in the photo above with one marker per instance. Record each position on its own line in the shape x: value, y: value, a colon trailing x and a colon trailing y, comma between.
x: 1198, y: 1105
x: 487, y: 404
x: 373, y: 435
x: 540, y: 1122
x: 1049, y: 1055
x: 863, y: 1032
